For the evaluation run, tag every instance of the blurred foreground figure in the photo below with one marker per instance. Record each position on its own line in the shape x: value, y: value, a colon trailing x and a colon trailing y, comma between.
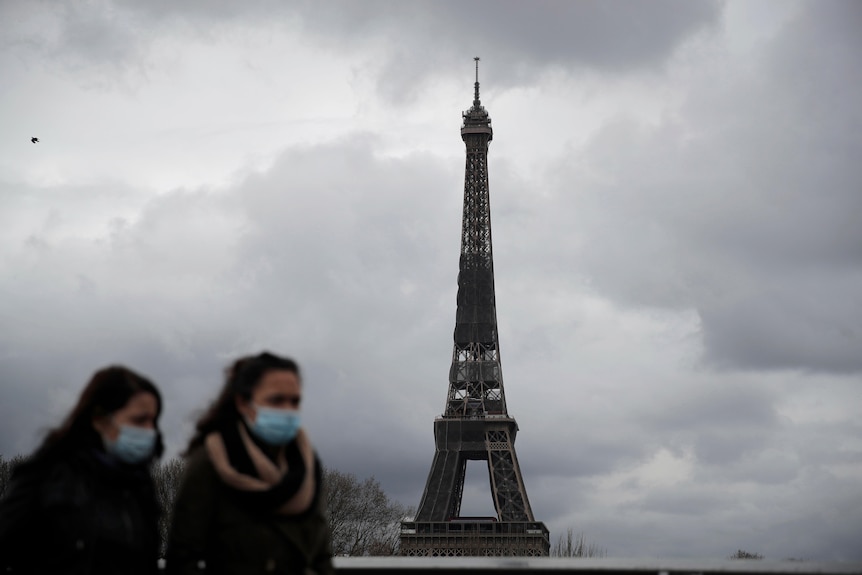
x: 84, y: 502
x: 250, y: 501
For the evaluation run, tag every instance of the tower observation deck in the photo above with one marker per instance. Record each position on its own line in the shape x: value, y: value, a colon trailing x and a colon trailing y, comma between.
x: 475, y: 424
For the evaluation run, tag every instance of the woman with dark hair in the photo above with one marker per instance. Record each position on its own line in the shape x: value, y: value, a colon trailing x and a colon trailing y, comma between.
x: 250, y: 501
x: 84, y: 502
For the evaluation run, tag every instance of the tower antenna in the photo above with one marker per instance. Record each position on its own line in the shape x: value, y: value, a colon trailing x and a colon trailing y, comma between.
x: 476, y: 85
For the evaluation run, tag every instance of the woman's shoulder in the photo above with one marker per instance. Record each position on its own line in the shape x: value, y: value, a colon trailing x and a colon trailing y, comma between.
x: 197, y: 465
x: 43, y: 465
x: 196, y: 457
x: 51, y: 479
x: 199, y: 483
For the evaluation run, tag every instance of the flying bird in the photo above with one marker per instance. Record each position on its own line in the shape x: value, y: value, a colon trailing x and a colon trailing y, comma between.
x: 34, y: 140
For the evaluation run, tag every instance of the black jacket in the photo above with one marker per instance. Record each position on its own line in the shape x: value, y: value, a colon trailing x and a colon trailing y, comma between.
x: 79, y: 512
x: 212, y: 527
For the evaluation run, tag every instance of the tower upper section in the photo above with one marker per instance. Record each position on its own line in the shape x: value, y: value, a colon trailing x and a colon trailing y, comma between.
x: 475, y: 377
x: 476, y: 119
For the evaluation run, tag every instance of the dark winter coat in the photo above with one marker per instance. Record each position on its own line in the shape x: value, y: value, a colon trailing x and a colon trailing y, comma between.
x: 215, y: 532
x: 79, y: 513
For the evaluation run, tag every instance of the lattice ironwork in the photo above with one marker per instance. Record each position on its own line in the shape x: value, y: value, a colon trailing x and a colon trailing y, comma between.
x: 475, y: 424
x: 474, y: 539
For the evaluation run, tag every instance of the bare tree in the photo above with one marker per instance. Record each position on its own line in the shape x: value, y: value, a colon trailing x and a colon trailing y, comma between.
x: 741, y: 554
x: 167, y: 476
x: 7, y: 466
x: 362, y: 518
x: 576, y: 546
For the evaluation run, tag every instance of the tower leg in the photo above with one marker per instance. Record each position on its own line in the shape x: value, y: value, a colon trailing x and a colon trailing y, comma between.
x: 507, y: 485
x: 442, y: 498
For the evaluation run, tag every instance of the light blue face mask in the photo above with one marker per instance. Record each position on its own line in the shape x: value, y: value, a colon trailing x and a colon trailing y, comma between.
x: 275, y: 426
x: 133, y: 445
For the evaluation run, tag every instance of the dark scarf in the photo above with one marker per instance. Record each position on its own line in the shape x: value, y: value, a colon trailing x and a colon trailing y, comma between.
x: 284, y: 484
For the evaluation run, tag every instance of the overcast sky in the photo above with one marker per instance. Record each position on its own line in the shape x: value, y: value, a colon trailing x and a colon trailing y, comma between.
x: 676, y: 193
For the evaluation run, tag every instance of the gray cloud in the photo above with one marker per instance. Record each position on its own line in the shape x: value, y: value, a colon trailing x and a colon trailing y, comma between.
x: 522, y: 39
x: 183, y: 283
x: 406, y: 45
x: 741, y: 206
x: 675, y: 501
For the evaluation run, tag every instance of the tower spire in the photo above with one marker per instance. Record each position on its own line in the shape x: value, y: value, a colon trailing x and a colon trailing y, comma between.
x: 476, y: 101
x: 476, y: 120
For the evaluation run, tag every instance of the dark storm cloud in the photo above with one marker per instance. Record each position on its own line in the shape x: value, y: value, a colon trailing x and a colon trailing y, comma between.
x: 719, y: 424
x: 675, y: 501
x: 600, y: 449
x: 40, y: 389
x: 797, y: 318
x: 338, y: 267
x: 741, y: 206
x: 788, y: 325
x: 522, y: 39
x: 810, y: 439
x: 418, y: 39
x: 76, y: 35
x: 836, y: 516
x: 96, y: 298
x: 371, y: 238
x: 23, y: 383
x: 97, y: 36
x: 720, y: 405
x: 811, y: 518
x: 765, y: 465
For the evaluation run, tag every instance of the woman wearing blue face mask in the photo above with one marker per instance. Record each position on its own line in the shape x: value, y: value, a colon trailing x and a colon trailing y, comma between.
x: 84, y: 502
x: 250, y: 501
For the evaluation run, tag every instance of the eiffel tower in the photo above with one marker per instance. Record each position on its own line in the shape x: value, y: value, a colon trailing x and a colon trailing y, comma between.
x: 475, y: 424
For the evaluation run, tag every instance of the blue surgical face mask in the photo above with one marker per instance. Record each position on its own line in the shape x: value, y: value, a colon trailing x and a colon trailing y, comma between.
x: 133, y: 445
x: 275, y: 426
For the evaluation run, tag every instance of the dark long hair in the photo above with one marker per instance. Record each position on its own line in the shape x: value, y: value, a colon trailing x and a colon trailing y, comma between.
x: 241, y: 377
x: 109, y: 390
